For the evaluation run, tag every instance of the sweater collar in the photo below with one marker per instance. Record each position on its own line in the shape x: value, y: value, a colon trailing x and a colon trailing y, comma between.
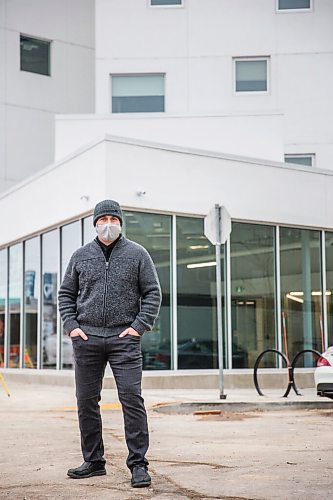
x: 119, y: 243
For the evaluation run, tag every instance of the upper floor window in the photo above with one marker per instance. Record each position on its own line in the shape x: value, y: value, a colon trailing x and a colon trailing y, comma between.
x: 35, y: 55
x: 251, y: 75
x: 293, y: 4
x: 137, y: 93
x: 298, y: 159
x: 166, y: 2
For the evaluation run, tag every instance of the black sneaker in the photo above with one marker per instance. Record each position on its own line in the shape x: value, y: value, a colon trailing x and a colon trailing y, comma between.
x: 87, y: 469
x: 140, y: 477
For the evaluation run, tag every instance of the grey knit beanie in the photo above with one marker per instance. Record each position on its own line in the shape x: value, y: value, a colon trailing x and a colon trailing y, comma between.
x: 107, y: 207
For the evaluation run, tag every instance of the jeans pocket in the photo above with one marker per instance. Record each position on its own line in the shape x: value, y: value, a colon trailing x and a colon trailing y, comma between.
x: 75, y: 338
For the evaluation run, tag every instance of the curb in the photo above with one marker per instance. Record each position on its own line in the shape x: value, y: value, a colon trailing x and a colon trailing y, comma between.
x: 189, y: 408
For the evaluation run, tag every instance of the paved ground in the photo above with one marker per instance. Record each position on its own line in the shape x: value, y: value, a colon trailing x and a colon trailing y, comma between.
x: 282, y: 454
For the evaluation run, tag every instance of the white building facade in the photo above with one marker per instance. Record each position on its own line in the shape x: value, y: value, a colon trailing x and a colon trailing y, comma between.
x: 46, y: 67
x: 197, y: 102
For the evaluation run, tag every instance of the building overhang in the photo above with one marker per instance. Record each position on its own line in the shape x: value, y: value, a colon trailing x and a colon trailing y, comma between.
x: 174, y: 179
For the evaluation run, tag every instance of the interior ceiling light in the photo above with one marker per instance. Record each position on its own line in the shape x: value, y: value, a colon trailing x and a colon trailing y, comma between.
x: 201, y: 264
x: 198, y: 247
x: 296, y: 299
x: 158, y: 235
x: 300, y: 294
x: 196, y: 237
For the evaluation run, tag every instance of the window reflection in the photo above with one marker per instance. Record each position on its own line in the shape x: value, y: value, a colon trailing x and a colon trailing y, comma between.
x: 196, y: 296
x: 50, y: 256
x: 70, y: 241
x: 252, y: 293
x: 31, y: 294
x: 15, y: 292
x: 3, y: 294
x: 89, y: 232
x: 154, y: 233
x: 301, y: 290
x: 329, y: 286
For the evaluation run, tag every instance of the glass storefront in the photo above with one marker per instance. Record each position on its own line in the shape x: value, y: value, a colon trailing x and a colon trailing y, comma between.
x: 31, y: 300
x: 50, y: 266
x: 70, y: 241
x: 196, y: 296
x: 252, y: 293
x: 89, y: 232
x: 153, y: 232
x: 301, y: 305
x: 3, y: 295
x: 15, y: 304
x: 184, y: 336
x: 329, y: 286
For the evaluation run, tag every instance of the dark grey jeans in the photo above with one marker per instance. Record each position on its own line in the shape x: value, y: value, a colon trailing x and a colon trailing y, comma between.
x: 125, y: 358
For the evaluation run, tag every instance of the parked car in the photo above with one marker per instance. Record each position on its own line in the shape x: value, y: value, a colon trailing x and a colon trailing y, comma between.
x: 324, y: 374
x: 192, y: 354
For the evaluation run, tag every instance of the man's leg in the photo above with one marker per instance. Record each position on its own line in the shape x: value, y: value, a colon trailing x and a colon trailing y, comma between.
x: 90, y: 364
x: 125, y: 358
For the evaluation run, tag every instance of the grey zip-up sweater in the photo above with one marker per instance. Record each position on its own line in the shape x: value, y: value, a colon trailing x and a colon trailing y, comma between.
x: 105, y: 297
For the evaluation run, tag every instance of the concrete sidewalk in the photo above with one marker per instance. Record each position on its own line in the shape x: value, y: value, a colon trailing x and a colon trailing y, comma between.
x: 235, y: 454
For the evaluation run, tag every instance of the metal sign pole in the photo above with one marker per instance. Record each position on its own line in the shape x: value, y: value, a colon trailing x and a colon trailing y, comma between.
x: 217, y: 228
x: 219, y: 300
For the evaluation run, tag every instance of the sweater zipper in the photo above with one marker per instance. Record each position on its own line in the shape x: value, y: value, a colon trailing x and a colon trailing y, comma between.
x: 107, y: 265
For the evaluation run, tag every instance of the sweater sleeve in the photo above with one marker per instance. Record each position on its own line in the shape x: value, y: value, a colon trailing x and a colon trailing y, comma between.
x: 67, y: 296
x: 151, y: 295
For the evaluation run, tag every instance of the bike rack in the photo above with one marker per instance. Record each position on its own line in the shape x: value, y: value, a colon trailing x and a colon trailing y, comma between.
x: 290, y: 366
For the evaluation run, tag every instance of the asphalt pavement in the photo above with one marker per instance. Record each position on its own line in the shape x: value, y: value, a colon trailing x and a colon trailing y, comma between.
x: 199, y: 448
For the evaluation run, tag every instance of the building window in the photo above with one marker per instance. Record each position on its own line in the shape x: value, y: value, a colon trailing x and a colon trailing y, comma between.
x: 31, y: 298
x: 71, y: 239
x: 166, y: 2
x: 252, y: 293
x: 137, y: 93
x: 50, y: 267
x: 35, y: 55
x: 301, y: 294
x: 293, y: 4
x: 251, y: 75
x: 329, y: 285
x: 89, y: 232
x: 15, y: 304
x: 3, y: 303
x: 153, y: 231
x: 305, y: 160
x: 196, y: 296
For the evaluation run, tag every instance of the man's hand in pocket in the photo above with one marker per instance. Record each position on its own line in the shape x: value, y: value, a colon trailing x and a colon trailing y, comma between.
x: 77, y: 332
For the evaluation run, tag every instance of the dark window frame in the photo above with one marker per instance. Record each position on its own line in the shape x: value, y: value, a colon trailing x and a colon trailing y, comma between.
x: 24, y: 66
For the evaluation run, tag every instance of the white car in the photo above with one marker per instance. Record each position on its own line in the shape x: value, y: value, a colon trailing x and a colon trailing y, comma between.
x: 324, y: 374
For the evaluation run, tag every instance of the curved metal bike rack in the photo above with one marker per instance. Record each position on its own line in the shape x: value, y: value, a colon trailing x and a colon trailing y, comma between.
x: 293, y: 366
x: 256, y: 366
x: 290, y: 366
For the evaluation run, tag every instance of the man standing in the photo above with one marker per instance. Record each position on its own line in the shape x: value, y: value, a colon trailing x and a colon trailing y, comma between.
x: 109, y: 297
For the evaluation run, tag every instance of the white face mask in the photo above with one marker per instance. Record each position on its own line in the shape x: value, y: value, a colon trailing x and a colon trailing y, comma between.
x: 108, y: 232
